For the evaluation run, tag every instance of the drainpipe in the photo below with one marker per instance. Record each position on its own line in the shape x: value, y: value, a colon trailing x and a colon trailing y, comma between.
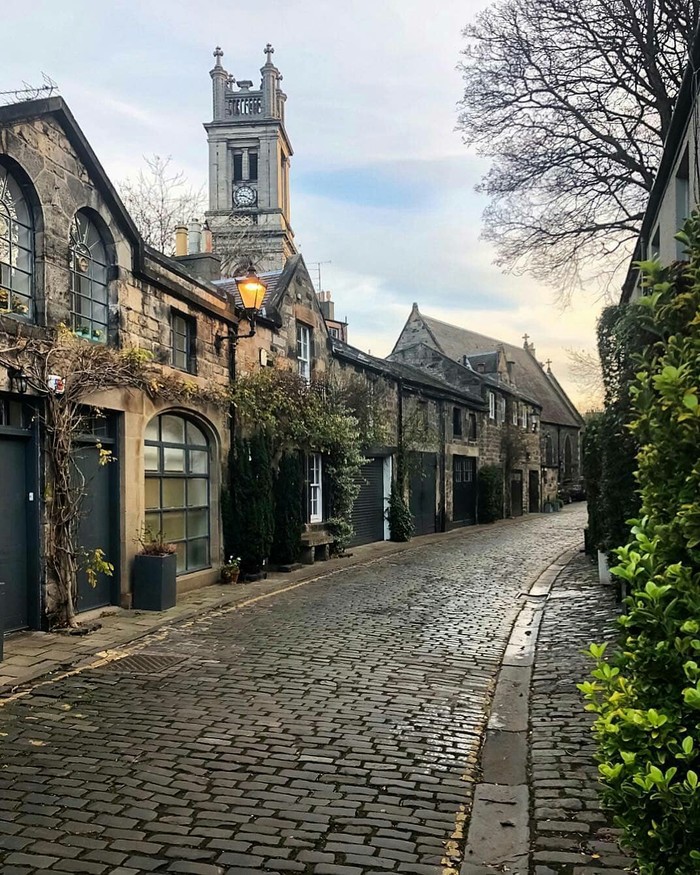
x: 401, y: 461
x: 442, y: 512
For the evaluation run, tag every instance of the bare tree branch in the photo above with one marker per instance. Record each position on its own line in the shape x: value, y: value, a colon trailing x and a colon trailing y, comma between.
x: 572, y: 100
x: 158, y: 200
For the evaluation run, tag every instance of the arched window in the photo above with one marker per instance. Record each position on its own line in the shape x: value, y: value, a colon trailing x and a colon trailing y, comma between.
x: 176, y: 455
x: 548, y: 450
x: 568, y: 458
x: 16, y: 249
x: 88, y: 279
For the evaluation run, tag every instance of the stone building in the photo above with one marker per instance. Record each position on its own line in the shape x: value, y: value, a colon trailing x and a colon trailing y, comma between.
x: 70, y: 254
x: 249, y: 161
x: 676, y: 190
x: 532, y: 429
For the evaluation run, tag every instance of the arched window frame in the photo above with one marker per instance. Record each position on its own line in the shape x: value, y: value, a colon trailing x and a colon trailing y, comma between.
x: 178, y: 469
x: 89, y: 278
x: 17, y: 248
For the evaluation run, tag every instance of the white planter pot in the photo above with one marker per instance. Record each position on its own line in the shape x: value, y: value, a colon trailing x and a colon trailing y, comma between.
x: 604, y: 569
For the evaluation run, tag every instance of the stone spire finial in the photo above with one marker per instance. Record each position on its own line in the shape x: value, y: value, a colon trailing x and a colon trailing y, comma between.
x: 526, y: 337
x: 269, y: 51
x: 218, y: 55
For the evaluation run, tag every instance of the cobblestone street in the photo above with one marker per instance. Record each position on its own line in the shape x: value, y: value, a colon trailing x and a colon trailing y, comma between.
x: 570, y: 832
x: 333, y: 729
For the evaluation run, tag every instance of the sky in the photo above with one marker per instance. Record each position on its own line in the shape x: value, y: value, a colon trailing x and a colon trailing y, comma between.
x: 382, y: 186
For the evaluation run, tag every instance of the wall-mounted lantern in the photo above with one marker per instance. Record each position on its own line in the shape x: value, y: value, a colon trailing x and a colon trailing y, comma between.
x: 19, y: 381
x: 252, y: 291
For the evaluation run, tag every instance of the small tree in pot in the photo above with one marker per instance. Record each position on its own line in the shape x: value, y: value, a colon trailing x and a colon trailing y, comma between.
x: 155, y: 569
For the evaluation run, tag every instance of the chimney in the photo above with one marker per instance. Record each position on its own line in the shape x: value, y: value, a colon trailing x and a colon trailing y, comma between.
x: 207, y: 241
x: 327, y: 305
x: 181, y: 240
x: 195, y: 237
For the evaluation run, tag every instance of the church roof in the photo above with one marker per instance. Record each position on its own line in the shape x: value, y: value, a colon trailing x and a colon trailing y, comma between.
x: 529, y: 375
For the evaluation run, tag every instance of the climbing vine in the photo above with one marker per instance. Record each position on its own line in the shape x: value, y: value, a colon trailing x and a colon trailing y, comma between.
x: 313, y: 417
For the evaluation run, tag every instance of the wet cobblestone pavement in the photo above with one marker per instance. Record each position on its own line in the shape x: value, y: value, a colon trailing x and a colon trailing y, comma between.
x: 571, y: 834
x: 330, y: 730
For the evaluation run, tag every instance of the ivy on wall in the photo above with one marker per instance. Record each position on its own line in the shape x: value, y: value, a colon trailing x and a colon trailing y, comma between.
x: 313, y: 417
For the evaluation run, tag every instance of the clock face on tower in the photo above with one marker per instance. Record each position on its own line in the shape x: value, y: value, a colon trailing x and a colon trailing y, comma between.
x: 244, y: 196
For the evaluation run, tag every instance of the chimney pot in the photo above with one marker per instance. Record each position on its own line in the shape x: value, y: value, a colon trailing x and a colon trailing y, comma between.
x: 195, y: 237
x: 181, y: 240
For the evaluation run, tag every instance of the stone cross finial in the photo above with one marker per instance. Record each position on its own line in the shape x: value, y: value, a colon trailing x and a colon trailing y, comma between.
x: 526, y: 337
x: 269, y: 51
x: 548, y: 362
x: 218, y: 54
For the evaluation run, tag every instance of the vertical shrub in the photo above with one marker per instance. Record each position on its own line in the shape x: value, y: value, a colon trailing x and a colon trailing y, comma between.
x: 251, y: 513
x: 289, y: 521
x: 647, y: 694
x: 490, y: 493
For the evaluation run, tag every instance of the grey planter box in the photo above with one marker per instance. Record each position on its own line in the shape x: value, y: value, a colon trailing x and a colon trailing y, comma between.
x: 155, y: 587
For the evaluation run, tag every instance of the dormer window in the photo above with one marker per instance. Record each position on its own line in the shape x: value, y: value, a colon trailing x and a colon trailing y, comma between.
x: 304, y: 351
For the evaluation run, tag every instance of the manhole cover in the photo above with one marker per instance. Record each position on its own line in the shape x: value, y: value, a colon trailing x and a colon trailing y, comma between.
x: 144, y: 663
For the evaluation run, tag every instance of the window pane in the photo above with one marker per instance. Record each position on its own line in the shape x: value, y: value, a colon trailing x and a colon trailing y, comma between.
x: 198, y: 553
x: 199, y: 461
x: 173, y: 429
x: 151, y: 433
x: 152, y: 492
x: 153, y: 523
x: 173, y: 459
x: 196, y: 492
x: 180, y: 360
x: 173, y: 492
x: 197, y: 523
x: 150, y: 458
x: 181, y: 558
x: 174, y: 525
x: 195, y: 435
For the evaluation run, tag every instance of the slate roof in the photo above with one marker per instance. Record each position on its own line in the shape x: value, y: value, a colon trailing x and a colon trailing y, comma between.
x: 399, y: 370
x: 529, y: 375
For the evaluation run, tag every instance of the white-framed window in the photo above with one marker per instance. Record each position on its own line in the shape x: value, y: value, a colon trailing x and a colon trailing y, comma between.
x: 523, y: 416
x: 501, y: 413
x: 304, y: 350
x: 492, y: 406
x: 514, y: 412
x: 315, y: 488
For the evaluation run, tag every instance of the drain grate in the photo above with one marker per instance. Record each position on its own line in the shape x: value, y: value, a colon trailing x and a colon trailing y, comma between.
x: 144, y: 663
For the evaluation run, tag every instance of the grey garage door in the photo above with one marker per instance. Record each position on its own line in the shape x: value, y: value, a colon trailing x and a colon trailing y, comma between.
x: 368, y: 510
x: 13, y: 532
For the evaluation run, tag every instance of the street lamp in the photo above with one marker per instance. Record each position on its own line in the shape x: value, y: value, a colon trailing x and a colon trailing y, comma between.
x: 252, y: 291
x: 19, y: 381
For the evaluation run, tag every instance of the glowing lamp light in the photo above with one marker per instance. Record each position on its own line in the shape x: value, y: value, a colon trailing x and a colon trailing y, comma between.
x: 252, y: 291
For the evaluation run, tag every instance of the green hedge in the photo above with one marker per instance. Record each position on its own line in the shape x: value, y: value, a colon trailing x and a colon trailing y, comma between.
x: 289, y: 520
x: 647, y: 694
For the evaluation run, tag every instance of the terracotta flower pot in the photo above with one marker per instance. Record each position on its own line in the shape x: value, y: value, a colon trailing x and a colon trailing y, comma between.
x: 229, y: 576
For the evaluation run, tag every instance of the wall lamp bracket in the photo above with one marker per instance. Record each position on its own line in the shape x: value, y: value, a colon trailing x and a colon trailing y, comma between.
x: 234, y: 335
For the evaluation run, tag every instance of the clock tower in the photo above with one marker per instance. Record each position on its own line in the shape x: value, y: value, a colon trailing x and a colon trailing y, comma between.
x: 249, y: 153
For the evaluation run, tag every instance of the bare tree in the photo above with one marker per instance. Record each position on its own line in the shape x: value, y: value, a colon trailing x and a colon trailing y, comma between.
x: 572, y: 99
x: 587, y: 374
x: 158, y: 199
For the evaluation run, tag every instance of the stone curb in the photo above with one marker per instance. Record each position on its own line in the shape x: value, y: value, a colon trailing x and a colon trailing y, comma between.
x: 240, y: 595
x: 499, y: 828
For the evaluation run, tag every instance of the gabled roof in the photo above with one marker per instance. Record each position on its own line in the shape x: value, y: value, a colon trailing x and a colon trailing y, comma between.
x: 277, y: 282
x: 530, y: 377
x: 456, y: 371
x: 401, y: 371
x: 57, y: 107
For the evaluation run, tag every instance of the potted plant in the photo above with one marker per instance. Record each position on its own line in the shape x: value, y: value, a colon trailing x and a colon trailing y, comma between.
x: 231, y: 569
x: 155, y: 568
